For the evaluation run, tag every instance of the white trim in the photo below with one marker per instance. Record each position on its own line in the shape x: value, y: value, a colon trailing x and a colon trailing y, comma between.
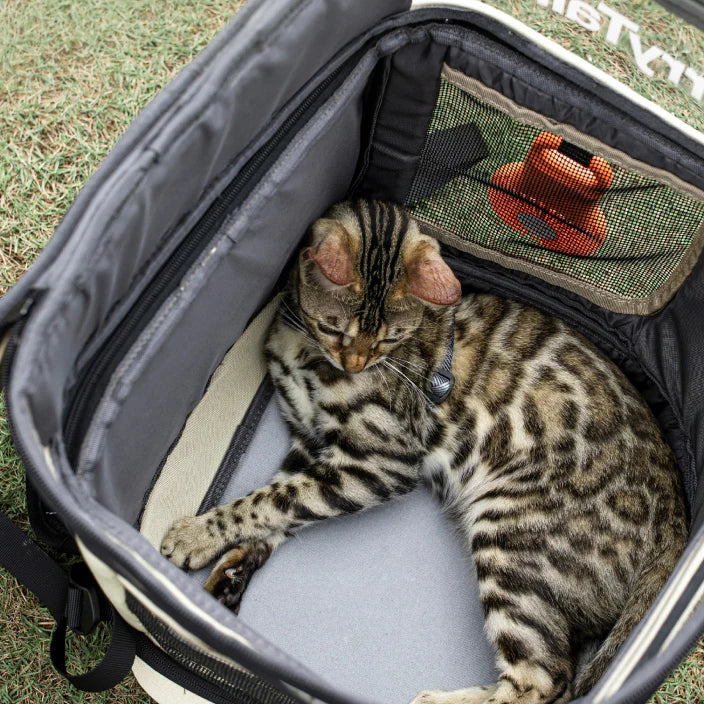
x: 693, y: 603
x: 164, y: 691
x: 567, y: 57
x: 175, y: 593
x: 177, y: 628
x: 109, y: 582
x: 668, y: 599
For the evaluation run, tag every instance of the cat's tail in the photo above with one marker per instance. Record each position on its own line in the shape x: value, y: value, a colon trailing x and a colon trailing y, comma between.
x: 646, y: 588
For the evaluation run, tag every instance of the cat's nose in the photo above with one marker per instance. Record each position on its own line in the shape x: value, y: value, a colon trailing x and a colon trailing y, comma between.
x: 353, y: 362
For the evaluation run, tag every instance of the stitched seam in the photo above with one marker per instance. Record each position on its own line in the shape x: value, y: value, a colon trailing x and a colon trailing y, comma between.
x: 156, y: 156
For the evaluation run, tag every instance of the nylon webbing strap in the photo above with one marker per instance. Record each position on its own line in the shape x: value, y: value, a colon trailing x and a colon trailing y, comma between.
x: 111, y: 670
x: 73, y: 601
x: 31, y: 566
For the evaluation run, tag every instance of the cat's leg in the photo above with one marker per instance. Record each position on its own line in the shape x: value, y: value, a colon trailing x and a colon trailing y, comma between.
x: 316, y: 490
x: 232, y: 573
x: 529, y: 632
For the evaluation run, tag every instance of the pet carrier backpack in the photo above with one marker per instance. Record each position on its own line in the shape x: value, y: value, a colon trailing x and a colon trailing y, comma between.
x: 133, y: 374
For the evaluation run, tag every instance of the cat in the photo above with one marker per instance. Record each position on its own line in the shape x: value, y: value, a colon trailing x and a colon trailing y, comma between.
x: 538, y: 447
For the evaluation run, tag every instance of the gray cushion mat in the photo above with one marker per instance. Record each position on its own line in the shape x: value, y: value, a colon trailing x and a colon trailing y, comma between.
x: 381, y: 604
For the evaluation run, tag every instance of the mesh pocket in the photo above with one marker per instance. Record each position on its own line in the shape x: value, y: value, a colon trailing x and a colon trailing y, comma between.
x: 507, y: 184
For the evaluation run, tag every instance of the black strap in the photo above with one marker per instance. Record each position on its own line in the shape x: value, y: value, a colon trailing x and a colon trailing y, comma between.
x: 31, y: 566
x: 75, y: 602
x: 114, y: 666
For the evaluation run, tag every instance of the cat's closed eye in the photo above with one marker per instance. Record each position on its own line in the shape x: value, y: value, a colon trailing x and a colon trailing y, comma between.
x: 327, y: 330
x: 388, y: 341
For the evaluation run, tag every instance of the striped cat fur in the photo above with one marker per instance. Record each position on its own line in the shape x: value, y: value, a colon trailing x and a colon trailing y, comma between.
x: 549, y: 462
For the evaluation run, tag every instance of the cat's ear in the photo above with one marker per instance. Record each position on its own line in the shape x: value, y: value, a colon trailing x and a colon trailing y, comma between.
x: 330, y: 251
x: 430, y: 279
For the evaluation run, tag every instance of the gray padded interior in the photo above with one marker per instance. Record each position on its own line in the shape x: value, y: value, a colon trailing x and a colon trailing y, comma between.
x: 232, y: 279
x: 382, y: 604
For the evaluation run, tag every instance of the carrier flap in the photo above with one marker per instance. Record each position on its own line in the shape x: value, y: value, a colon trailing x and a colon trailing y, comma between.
x: 271, y: 49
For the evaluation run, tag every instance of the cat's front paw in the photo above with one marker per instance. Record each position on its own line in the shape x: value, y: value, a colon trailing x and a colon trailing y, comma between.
x: 191, y: 543
x: 230, y: 577
x: 473, y: 695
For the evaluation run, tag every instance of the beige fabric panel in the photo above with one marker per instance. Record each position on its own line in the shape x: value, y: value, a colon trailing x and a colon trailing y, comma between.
x: 109, y: 582
x: 160, y: 688
x: 194, y: 460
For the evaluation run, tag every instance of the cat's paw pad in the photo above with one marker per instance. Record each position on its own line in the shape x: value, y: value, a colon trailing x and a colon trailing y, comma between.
x: 230, y: 577
x: 190, y: 544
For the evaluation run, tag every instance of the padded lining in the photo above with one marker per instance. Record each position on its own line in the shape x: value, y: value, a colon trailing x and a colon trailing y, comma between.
x: 393, y: 580
x: 383, y: 603
x: 164, y: 376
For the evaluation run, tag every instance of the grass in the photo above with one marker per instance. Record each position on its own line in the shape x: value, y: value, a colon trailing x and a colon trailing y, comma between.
x: 657, y: 27
x: 74, y: 74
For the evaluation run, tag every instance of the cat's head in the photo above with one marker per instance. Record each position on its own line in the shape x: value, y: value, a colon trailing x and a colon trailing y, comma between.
x: 366, y: 278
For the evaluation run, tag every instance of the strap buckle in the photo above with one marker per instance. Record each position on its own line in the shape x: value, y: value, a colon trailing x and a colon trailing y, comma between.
x: 82, y: 600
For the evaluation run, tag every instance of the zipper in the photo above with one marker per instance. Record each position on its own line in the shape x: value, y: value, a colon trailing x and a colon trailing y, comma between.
x: 86, y: 393
x: 210, y: 666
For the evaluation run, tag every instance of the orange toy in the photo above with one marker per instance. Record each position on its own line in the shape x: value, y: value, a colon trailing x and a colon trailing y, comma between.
x: 553, y: 196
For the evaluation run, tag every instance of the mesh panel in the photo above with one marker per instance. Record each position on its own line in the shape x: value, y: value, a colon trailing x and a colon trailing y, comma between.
x: 487, y: 178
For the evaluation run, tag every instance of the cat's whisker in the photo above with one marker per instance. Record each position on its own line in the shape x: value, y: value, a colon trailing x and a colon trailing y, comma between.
x: 406, y: 382
x: 417, y: 368
x: 410, y: 370
x: 414, y: 386
x: 383, y: 378
x: 297, y: 324
x: 306, y: 336
x: 292, y: 314
x: 413, y: 372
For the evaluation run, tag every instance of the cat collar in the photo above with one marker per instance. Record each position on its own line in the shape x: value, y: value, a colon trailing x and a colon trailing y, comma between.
x: 442, y: 381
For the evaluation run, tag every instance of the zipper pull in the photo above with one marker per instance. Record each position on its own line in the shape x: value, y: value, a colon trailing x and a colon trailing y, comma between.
x: 18, y: 311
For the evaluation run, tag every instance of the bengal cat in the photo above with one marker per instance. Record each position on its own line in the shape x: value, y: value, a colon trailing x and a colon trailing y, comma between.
x: 543, y: 453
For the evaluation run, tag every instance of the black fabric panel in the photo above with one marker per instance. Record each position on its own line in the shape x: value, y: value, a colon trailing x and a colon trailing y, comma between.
x: 402, y: 120
x: 613, y: 333
x: 442, y: 161
x: 241, y: 440
x: 671, y: 343
x: 372, y: 99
